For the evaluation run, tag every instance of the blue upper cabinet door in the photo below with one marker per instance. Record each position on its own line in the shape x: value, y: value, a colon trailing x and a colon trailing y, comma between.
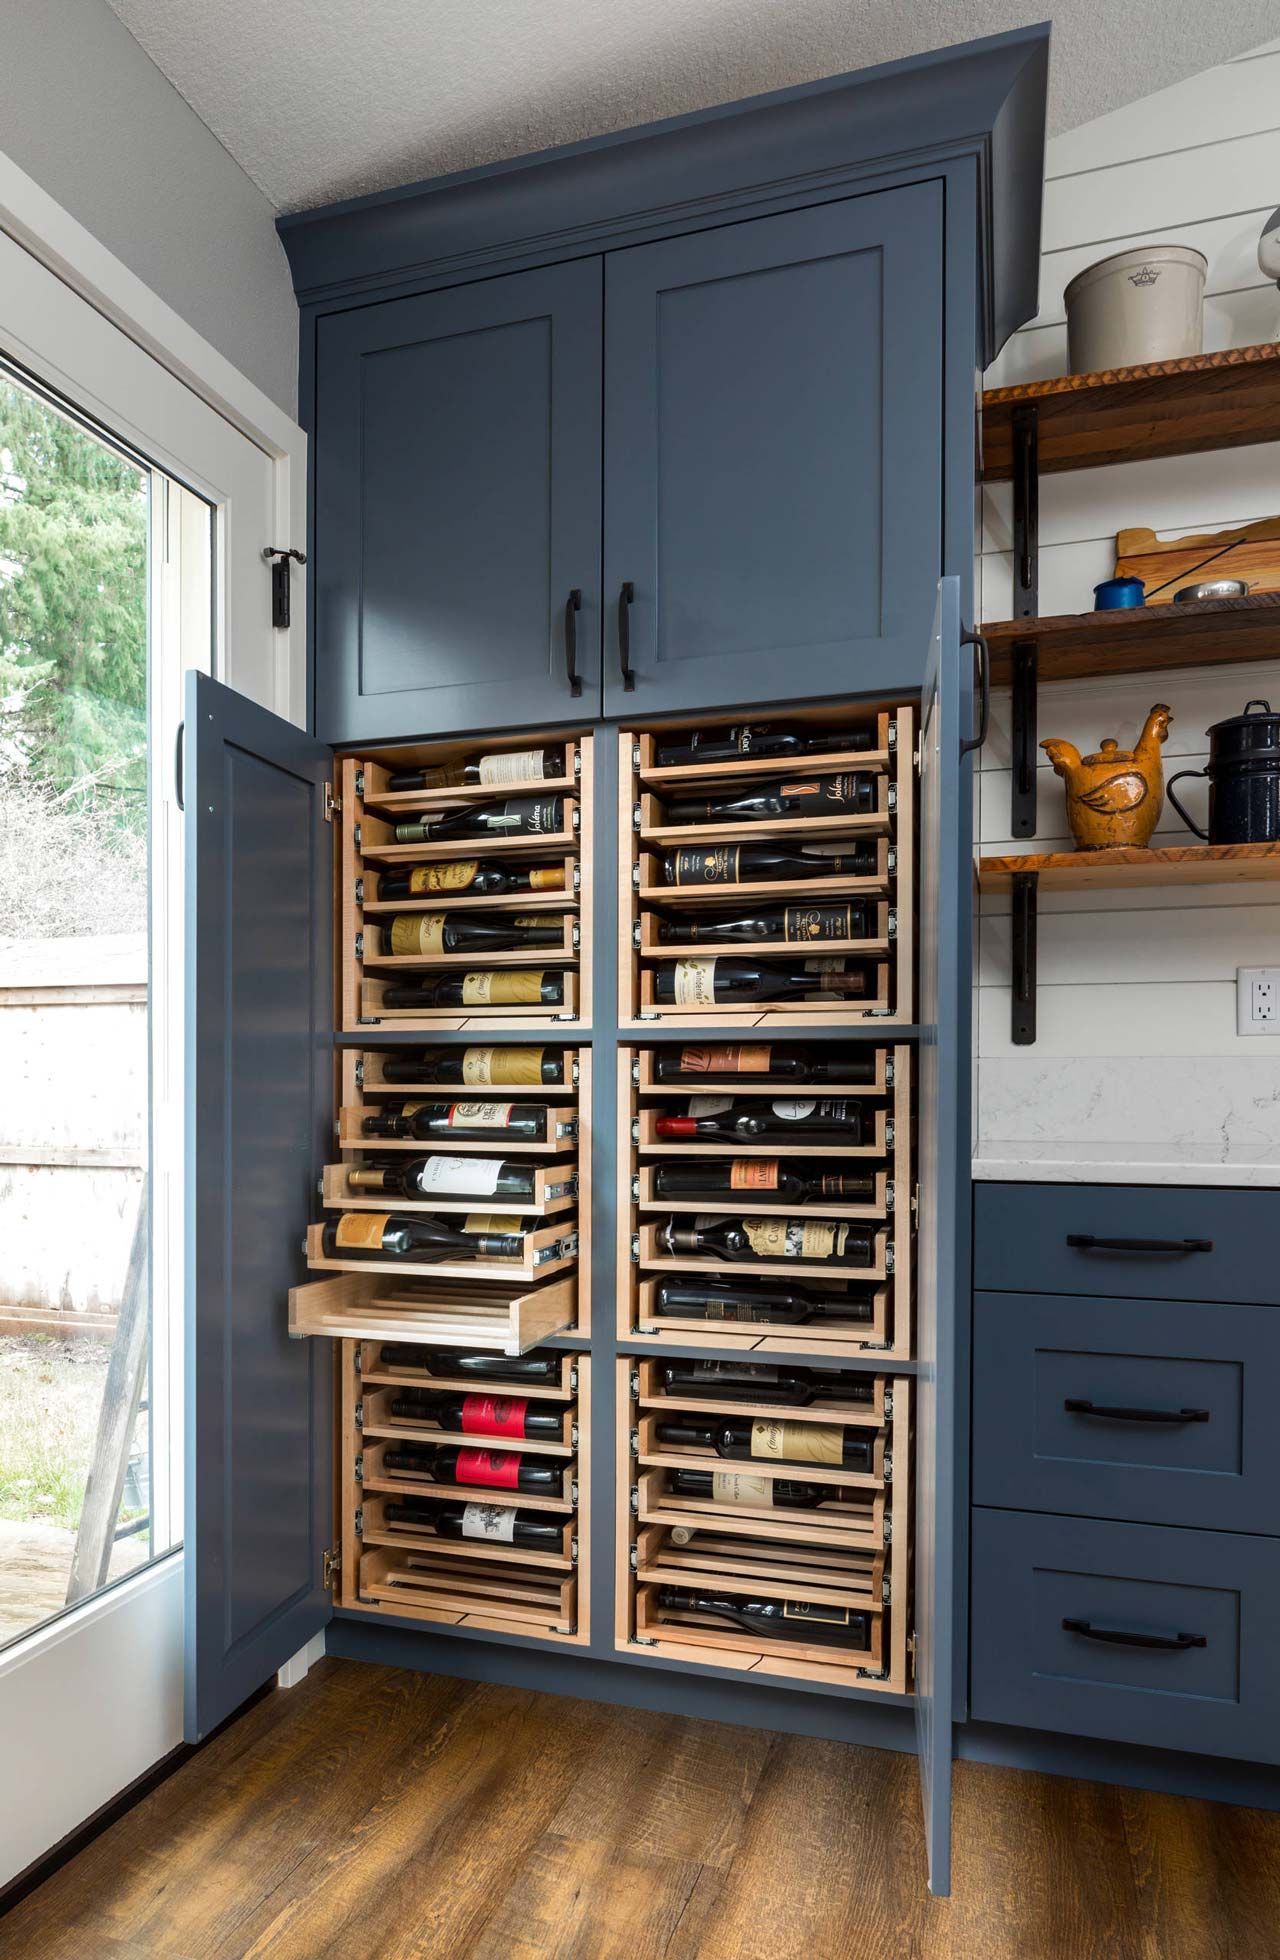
x: 457, y: 503
x: 773, y: 455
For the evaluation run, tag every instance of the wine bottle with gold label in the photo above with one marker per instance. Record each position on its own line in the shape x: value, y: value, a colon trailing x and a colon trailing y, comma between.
x: 775, y: 1619
x: 749, y: 864
x: 465, y: 1122
x: 771, y: 1440
x: 385, y: 1235
x: 795, y: 925
x: 503, y: 987
x: 478, y: 1068
x: 831, y: 1241
x: 476, y: 877
x: 762, y: 1061
x: 425, y: 935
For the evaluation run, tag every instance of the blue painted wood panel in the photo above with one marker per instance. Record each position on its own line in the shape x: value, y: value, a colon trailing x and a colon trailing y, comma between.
x: 773, y: 454
x: 259, y: 1491
x: 1211, y: 1369
x: 457, y: 505
x: 1219, y: 1590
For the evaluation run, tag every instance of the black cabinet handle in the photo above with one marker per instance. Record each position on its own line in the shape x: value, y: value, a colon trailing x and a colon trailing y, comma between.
x: 1086, y: 1242
x: 1113, y: 1412
x: 178, y: 759
x: 572, y: 607
x: 625, y: 599
x: 978, y: 640
x: 1166, y: 1642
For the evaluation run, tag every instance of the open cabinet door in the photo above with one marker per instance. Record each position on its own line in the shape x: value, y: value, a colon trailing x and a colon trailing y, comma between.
x: 944, y: 875
x: 259, y: 1047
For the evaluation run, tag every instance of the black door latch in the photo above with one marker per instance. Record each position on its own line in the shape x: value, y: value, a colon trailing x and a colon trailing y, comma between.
x: 278, y: 557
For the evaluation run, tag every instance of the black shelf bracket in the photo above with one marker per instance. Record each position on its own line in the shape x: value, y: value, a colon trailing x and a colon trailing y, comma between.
x: 1022, y: 1027
x: 1026, y: 605
x: 1023, y: 729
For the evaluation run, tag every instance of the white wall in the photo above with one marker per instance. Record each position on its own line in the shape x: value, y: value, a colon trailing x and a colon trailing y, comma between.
x: 87, y: 114
x: 1136, y: 1037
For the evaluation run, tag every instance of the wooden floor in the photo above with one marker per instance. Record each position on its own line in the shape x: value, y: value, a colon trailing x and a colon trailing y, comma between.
x: 368, y: 1814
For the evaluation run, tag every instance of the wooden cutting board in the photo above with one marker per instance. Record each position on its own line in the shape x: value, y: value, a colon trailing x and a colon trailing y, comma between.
x: 1251, y: 552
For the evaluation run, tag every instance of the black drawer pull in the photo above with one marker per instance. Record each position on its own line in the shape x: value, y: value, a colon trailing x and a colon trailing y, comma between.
x: 1166, y: 1642
x: 626, y: 599
x: 1076, y: 1407
x: 572, y: 607
x: 1086, y: 1242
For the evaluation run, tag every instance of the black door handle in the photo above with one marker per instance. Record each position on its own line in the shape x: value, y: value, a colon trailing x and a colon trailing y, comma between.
x: 626, y: 598
x: 178, y: 758
x: 1113, y: 1412
x: 978, y: 640
x: 1086, y: 1242
x: 1166, y: 1642
x: 572, y: 607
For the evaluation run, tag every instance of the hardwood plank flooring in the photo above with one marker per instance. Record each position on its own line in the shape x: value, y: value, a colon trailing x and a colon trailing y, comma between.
x: 372, y: 1814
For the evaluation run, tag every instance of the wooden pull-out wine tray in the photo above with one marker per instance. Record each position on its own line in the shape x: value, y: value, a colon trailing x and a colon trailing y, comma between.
x: 562, y: 1133
x: 362, y: 1306
x: 713, y: 1083
x: 375, y: 1418
x: 401, y: 804
x: 375, y: 959
x: 759, y: 1203
x: 805, y: 1273
x: 368, y: 1079
x: 881, y: 1142
x: 652, y: 1394
x: 555, y: 1190
x: 549, y: 1250
x: 374, y: 906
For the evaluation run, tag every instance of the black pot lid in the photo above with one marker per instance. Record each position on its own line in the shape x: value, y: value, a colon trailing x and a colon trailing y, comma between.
x: 1255, y: 711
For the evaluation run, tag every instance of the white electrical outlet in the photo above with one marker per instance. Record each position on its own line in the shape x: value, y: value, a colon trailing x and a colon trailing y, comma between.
x: 1258, y: 1000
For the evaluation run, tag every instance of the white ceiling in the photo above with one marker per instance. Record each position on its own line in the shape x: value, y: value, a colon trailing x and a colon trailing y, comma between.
x: 321, y: 99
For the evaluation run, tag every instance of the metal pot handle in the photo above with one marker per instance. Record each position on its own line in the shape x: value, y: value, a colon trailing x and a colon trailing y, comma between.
x: 1168, y: 790
x: 1258, y: 702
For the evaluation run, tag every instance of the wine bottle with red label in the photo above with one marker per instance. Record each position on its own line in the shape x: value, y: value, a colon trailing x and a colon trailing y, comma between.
x: 775, y: 1619
x: 490, y: 1524
x: 754, y: 1381
x: 788, y: 1119
x: 762, y: 1178
x: 727, y: 978
x: 797, y: 925
x: 840, y: 795
x: 750, y: 864
x: 485, y: 1468
x: 760, y: 1061
x: 828, y: 1241
x: 771, y: 1439
x: 760, y: 1304
x: 481, y: 1415
x: 506, y: 987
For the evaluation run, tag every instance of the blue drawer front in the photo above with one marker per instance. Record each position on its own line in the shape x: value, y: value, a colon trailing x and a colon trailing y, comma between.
x: 1219, y: 1696
x: 1021, y: 1241
x: 1039, y: 1357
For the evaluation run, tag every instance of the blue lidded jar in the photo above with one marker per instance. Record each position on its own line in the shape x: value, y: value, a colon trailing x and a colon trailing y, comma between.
x: 1115, y: 593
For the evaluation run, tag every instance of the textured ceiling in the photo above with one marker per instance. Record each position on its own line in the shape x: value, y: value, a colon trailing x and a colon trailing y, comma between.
x: 321, y: 99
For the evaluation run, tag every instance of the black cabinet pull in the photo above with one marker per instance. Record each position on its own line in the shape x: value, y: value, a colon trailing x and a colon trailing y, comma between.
x: 1115, y: 1413
x: 178, y: 760
x: 1086, y: 1242
x: 572, y: 607
x: 1166, y: 1642
x: 626, y: 598
x: 978, y: 640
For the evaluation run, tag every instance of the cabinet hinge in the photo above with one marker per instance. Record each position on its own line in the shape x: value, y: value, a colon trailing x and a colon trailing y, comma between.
x: 330, y: 1566
x: 331, y: 803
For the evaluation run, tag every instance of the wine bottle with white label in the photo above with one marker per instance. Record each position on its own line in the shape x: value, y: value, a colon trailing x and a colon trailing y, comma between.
x: 762, y: 1178
x: 533, y: 1370
x: 759, y: 1304
x: 812, y: 796
x: 481, y: 1415
x: 385, y: 1235
x: 795, y: 925
x: 480, y: 1068
x: 425, y: 935
x: 789, y: 1119
x: 754, y: 1493
x: 507, y: 987
x: 515, y: 816
x: 760, y: 739
x: 474, y: 877
x: 759, y: 1061
x: 749, y: 864
x: 772, y: 1440
x: 516, y: 766
x: 485, y: 1468
x: 775, y: 1619
x: 466, y: 1122
x: 446, y: 1177
x: 495, y: 1524
x: 754, y: 1381
x: 830, y: 1241
x: 726, y: 979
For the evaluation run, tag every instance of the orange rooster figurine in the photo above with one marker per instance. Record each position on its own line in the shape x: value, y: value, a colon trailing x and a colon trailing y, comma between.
x: 1114, y: 797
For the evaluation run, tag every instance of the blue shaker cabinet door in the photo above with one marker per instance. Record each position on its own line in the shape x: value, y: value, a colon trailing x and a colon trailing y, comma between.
x: 773, y: 455
x: 457, y: 508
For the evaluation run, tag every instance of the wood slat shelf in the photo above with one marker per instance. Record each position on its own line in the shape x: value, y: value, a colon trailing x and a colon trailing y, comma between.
x: 1113, y: 870
x: 1121, y: 415
x: 1140, y: 639
x: 361, y: 1307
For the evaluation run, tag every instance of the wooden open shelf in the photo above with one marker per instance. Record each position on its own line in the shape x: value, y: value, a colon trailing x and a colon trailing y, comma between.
x: 1118, y: 869
x: 1122, y: 415
x: 365, y: 1306
x: 1140, y: 639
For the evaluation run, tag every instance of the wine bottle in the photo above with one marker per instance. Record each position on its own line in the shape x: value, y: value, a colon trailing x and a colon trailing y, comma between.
x: 711, y: 982
x: 446, y: 1177
x: 814, y: 796
x: 425, y: 935
x: 771, y: 1440
x: 464, y: 1122
x: 480, y: 1415
x: 494, y: 1469
x: 794, y: 1306
x: 795, y: 925
x: 507, y: 987
x: 481, y: 1068
x: 530, y: 1370
x: 775, y: 1619
x: 793, y: 1119
x: 475, y: 876
x: 762, y: 1177
x: 496, y: 1524
x: 757, y: 1061
x: 754, y: 1493
x: 748, y: 864
x: 515, y: 816
x: 517, y: 766
x: 829, y: 1240
x: 762, y: 739
x: 754, y: 1381
x: 384, y: 1235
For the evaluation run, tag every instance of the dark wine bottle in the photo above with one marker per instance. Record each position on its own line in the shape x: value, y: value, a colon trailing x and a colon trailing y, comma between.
x: 495, y: 1524
x: 384, y: 1235
x: 830, y: 1240
x: 794, y: 925
x: 772, y: 1440
x: 754, y: 1381
x: 760, y: 739
x: 759, y: 1061
x: 516, y: 766
x: 761, y: 1177
x: 711, y: 982
x: 814, y: 796
x: 751, y: 1491
x: 481, y: 1068
x: 775, y: 1619
x: 749, y: 864
x: 481, y: 1415
x: 491, y: 1469
x: 464, y: 1122
x: 756, y: 1304
x: 474, y: 876
x: 530, y: 1370
x: 425, y: 935
x: 515, y: 816
x: 507, y: 987
x: 446, y: 1177
x: 791, y: 1119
